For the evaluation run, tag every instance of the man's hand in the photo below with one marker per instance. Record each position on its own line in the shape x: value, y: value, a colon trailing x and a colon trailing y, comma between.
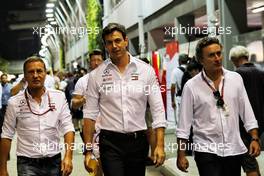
x: 254, y: 148
x: 66, y: 166
x: 159, y: 156
x: 173, y: 104
x: 90, y: 164
x: 182, y: 163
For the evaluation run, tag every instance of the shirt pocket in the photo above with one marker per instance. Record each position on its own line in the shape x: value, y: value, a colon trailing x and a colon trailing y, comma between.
x: 136, y: 89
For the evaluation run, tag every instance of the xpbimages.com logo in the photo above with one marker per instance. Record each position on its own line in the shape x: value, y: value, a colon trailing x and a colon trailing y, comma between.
x: 79, y: 31
x: 194, y: 30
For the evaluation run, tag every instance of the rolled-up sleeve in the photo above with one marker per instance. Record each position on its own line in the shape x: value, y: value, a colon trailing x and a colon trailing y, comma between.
x: 65, y: 118
x: 9, y: 125
x: 155, y: 102
x: 186, y: 114
x: 78, y: 88
x: 91, y: 107
x: 245, y: 109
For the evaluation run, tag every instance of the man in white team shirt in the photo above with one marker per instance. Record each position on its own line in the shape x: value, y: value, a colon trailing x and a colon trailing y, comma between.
x: 119, y: 90
x: 212, y: 102
x: 38, y: 115
x: 78, y: 98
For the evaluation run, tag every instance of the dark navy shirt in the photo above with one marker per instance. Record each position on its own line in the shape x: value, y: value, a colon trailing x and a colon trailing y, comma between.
x: 253, y: 79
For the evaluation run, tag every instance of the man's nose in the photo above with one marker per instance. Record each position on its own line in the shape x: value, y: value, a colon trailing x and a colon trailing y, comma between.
x: 114, y: 45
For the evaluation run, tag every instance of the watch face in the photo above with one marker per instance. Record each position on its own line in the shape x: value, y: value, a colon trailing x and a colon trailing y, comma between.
x: 255, y: 139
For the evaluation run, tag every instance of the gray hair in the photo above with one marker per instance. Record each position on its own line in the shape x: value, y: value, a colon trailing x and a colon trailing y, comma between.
x: 238, y: 52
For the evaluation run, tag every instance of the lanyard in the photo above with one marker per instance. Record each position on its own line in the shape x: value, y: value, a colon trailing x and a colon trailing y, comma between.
x: 213, y: 89
x: 51, y: 107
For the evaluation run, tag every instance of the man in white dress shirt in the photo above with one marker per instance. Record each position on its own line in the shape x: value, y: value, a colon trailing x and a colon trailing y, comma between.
x: 119, y: 90
x: 38, y: 115
x: 212, y: 102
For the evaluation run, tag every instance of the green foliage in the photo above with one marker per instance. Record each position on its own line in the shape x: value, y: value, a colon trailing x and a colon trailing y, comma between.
x: 94, y: 22
x: 62, y: 58
x: 3, y: 65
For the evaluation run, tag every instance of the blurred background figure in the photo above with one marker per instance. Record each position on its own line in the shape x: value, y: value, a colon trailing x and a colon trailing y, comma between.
x: 253, y: 79
x: 176, y: 78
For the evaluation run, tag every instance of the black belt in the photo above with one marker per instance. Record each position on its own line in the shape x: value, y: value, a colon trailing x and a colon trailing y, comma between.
x: 40, y: 160
x: 133, y: 135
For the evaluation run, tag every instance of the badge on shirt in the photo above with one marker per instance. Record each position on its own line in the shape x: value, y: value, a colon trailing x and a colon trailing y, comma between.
x: 134, y: 76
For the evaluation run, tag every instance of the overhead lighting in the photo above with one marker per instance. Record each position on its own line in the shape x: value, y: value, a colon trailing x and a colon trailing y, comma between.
x: 47, y: 26
x: 53, y: 22
x: 258, y: 9
x: 49, y: 10
x: 50, y: 5
x: 51, y: 19
x: 49, y: 15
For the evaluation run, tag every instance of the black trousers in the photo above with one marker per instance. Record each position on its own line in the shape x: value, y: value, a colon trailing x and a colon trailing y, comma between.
x: 212, y: 165
x: 123, y: 154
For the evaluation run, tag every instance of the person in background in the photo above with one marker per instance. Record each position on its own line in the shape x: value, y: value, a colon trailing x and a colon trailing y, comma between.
x: 212, y: 102
x: 78, y: 100
x: 253, y: 79
x: 6, y: 91
x: 176, y: 77
x: 38, y: 116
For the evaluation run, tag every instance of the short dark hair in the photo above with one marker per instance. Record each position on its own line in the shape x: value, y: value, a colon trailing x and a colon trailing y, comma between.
x: 193, y: 64
x: 204, y: 42
x: 145, y: 60
x: 183, y: 58
x: 33, y: 59
x: 4, y: 74
x: 96, y: 52
x: 111, y: 27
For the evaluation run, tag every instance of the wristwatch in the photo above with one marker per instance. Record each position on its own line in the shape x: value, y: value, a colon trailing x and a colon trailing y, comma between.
x: 255, y: 139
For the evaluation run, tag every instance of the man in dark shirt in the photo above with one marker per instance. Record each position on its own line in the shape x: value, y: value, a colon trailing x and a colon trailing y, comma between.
x: 253, y: 79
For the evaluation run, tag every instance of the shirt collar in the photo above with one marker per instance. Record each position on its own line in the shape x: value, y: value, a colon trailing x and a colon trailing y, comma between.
x: 132, y: 62
x: 209, y: 80
x: 31, y: 98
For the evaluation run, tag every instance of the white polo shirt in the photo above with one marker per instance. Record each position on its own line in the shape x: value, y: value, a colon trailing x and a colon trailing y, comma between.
x: 122, y: 99
x: 38, y: 135
x: 81, y: 85
x: 215, y: 130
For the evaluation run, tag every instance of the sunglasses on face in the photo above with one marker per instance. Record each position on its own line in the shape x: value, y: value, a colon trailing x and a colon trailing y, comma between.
x: 220, y: 102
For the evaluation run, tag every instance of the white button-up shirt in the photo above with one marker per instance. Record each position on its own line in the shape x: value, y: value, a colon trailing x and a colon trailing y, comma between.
x: 176, y: 77
x: 37, y: 135
x: 81, y: 85
x: 215, y: 130
x: 122, y: 99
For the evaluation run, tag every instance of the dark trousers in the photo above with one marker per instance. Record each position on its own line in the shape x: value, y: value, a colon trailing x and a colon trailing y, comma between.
x: 39, y: 166
x: 123, y: 154
x: 212, y: 165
